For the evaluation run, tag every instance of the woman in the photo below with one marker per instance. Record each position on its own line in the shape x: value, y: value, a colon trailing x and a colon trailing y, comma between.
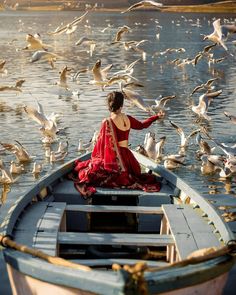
x: 112, y: 164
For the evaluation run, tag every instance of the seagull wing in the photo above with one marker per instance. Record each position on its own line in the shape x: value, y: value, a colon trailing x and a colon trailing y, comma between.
x: 35, y: 115
x: 217, y: 28
x: 78, y: 19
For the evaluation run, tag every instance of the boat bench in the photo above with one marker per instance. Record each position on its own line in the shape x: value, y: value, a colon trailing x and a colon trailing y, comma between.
x: 136, y: 239
x: 189, y: 230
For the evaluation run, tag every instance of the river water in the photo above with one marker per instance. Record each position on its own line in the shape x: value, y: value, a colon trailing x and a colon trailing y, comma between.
x: 83, y: 107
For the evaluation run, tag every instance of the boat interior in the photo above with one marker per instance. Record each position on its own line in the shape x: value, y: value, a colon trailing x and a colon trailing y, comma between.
x: 113, y: 226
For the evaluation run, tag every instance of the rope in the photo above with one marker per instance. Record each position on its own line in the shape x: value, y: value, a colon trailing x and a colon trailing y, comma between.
x: 7, y: 242
x: 137, y: 271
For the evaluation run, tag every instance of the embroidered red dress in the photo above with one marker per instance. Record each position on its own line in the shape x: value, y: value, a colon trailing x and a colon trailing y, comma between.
x: 111, y: 165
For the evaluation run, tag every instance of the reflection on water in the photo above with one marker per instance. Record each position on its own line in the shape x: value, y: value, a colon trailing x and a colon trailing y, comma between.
x: 82, y: 107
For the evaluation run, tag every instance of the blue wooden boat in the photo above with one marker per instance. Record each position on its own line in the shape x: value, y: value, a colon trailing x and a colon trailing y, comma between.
x: 129, y: 241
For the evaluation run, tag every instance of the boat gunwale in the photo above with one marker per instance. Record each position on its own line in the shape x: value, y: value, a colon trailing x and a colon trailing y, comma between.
x: 160, y: 281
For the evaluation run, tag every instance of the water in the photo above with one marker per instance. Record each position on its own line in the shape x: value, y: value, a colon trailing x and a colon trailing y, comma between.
x: 81, y: 114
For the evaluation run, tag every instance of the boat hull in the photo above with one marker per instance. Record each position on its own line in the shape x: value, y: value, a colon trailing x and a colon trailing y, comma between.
x: 24, y: 284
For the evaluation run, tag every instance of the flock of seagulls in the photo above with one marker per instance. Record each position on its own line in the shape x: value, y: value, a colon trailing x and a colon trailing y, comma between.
x: 106, y: 76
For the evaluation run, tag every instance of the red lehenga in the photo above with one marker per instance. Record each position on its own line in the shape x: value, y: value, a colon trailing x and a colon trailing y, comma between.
x: 112, y: 166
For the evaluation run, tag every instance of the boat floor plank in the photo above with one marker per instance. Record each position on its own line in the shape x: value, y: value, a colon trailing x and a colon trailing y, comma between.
x: 105, y: 208
x: 114, y: 239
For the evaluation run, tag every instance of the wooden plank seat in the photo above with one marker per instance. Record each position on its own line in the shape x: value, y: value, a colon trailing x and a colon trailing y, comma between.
x: 78, y: 238
x: 108, y: 262
x: 66, y: 188
x: 118, y: 209
x: 189, y: 230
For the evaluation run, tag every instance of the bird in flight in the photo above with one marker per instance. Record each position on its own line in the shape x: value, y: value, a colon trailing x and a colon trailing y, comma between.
x: 144, y: 4
x: 70, y: 27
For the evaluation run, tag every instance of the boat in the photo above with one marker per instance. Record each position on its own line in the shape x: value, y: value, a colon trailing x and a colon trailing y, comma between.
x: 118, y: 241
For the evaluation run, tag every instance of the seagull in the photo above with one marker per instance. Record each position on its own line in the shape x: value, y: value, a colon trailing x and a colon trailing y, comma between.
x: 221, y: 33
x: 18, y: 150
x: 70, y: 27
x: 45, y: 55
x: 129, y: 69
x: 47, y: 123
x: 232, y: 118
x: 57, y: 156
x: 161, y: 102
x: 78, y: 73
x: 152, y: 148
x: 16, y: 168
x: 204, y: 146
x: 184, y: 139
x: 63, y: 78
x: 211, y: 163
x: 141, y: 150
x: 206, y: 85
x: 37, y: 168
x: 2, y: 65
x: 202, y: 107
x: 16, y: 87
x: 34, y: 43
x: 63, y: 147
x: 99, y: 74
x: 135, y: 99
x: 121, y: 31
x: 6, y: 177
x: 144, y: 4
x: 174, y: 161
x: 230, y: 151
x: 87, y: 42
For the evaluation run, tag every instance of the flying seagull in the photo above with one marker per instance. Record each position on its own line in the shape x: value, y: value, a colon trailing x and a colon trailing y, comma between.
x: 144, y: 4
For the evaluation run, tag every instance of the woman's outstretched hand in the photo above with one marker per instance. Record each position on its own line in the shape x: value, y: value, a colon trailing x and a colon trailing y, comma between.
x: 161, y: 114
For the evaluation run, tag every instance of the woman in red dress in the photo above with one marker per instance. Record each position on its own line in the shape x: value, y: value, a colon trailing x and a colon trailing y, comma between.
x: 112, y: 164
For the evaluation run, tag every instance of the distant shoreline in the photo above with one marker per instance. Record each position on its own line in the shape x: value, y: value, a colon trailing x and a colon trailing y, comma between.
x: 220, y: 7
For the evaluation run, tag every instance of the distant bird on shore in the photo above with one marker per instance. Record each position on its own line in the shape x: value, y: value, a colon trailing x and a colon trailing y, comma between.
x: 70, y: 27
x: 144, y: 4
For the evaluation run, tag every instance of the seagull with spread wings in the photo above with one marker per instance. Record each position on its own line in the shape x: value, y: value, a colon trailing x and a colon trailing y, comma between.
x: 48, y: 124
x: 144, y: 4
x: 18, y: 150
x: 70, y: 27
x: 220, y: 33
